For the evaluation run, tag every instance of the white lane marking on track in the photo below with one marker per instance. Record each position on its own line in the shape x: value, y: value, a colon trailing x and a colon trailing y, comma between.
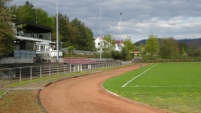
x: 138, y: 76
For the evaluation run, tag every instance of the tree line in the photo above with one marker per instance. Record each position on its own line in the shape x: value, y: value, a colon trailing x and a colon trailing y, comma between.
x: 167, y: 48
x: 71, y: 32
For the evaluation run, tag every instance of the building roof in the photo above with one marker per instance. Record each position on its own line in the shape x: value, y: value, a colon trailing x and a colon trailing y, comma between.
x: 77, y: 61
x: 31, y: 27
x: 32, y: 39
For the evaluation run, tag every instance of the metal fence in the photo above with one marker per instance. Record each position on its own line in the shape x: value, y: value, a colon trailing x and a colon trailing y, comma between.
x: 166, y: 60
x: 81, y: 52
x: 19, y: 74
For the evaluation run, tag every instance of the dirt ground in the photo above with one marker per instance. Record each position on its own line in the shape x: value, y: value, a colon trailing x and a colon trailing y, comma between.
x: 85, y: 95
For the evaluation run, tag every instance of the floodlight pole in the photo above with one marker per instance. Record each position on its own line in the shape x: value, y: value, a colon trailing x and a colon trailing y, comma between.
x: 100, y: 19
x: 100, y: 29
x: 120, y: 24
x: 57, y: 30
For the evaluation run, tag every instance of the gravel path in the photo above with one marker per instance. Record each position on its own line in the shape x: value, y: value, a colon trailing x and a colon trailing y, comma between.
x: 85, y: 95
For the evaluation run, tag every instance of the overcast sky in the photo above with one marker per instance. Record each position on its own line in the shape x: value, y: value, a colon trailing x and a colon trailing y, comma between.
x: 140, y: 18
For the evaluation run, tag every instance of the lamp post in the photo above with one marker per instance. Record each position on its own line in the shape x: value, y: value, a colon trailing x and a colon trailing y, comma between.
x: 120, y: 24
x: 57, y: 30
x: 100, y: 18
x: 100, y: 29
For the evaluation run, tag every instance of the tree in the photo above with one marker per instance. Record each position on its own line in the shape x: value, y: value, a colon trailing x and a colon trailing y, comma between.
x: 63, y: 30
x: 6, y: 31
x: 70, y: 50
x: 127, y: 50
x: 26, y: 13
x: 3, y: 3
x: 73, y: 33
x: 182, y: 49
x: 129, y: 45
x: 116, y: 54
x: 84, y: 37
x: 169, y: 48
x: 42, y: 18
x: 193, y: 49
x: 152, y: 45
x: 142, y: 48
x: 89, y: 41
x: 108, y: 43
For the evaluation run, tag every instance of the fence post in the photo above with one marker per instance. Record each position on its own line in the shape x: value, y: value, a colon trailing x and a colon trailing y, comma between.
x: 49, y: 70
x: 57, y: 69
x: 9, y: 76
x: 31, y: 73
x: 70, y: 68
x: 20, y: 74
x: 40, y: 72
x: 65, y: 69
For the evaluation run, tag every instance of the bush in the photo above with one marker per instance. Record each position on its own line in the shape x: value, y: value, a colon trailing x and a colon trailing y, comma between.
x: 116, y: 55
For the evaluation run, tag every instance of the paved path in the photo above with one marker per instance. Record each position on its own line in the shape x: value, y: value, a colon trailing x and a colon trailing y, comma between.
x: 85, y: 95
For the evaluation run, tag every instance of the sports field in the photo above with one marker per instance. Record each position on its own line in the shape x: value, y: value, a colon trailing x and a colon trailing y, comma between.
x: 172, y: 86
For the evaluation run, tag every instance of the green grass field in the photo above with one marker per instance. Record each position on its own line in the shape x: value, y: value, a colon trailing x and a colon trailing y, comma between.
x: 172, y: 86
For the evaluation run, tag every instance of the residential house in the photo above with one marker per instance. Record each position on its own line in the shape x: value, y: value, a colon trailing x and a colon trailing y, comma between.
x: 119, y: 45
x: 100, y: 44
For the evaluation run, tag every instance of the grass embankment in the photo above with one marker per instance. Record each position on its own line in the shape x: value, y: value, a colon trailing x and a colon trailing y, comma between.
x: 172, y: 86
x: 20, y: 102
x: 1, y: 92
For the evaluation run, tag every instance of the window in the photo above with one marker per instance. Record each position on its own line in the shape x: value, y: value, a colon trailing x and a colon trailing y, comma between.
x: 29, y: 45
x: 42, y: 48
x: 23, y: 45
x: 37, y: 48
